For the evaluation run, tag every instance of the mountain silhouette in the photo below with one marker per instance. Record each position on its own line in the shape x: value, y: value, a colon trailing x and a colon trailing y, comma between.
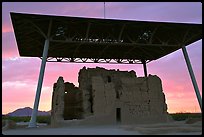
x: 27, y: 111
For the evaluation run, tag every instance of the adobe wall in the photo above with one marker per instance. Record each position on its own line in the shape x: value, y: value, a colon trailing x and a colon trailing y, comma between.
x: 57, y: 110
x: 139, y: 99
x: 66, y: 103
x: 73, y: 101
x: 110, y: 97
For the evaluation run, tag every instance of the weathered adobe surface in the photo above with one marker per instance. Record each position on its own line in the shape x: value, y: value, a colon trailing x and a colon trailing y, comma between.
x: 66, y: 102
x: 73, y: 108
x: 121, y: 96
x: 110, y: 96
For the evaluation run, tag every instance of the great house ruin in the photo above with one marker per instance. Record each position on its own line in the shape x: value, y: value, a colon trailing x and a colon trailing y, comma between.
x: 109, y: 97
x: 91, y: 40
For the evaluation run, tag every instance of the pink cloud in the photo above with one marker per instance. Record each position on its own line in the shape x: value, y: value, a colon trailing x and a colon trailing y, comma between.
x: 176, y: 81
x: 171, y: 69
x: 22, y: 93
x: 183, y: 104
x: 17, y: 82
x: 31, y: 68
x: 173, y: 78
x: 12, y: 69
x: 83, y: 9
x: 171, y: 11
x: 6, y: 28
x: 9, y: 46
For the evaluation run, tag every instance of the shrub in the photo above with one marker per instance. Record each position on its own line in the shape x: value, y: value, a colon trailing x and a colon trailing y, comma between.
x: 184, y: 116
x: 44, y: 119
x: 40, y: 119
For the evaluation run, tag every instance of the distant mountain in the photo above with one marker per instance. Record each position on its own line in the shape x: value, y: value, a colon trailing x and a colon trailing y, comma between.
x: 27, y: 111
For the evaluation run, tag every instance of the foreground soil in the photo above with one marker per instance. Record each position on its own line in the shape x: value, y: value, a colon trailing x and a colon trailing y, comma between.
x: 172, y: 128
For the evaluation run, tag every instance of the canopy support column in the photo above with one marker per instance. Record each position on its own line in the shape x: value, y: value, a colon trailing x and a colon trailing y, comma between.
x: 32, y: 122
x: 145, y: 67
x: 192, y: 76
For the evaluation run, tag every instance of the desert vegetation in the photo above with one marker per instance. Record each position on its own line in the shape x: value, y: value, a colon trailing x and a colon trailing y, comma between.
x: 46, y: 119
x: 183, y: 116
x: 40, y: 119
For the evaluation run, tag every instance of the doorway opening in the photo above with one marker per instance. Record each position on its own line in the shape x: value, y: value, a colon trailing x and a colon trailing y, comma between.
x: 118, y: 115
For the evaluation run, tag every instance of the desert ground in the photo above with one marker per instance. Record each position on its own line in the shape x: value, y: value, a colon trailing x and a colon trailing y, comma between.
x: 171, y: 128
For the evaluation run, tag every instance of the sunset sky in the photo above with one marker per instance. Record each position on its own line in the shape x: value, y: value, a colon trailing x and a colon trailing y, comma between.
x: 20, y: 74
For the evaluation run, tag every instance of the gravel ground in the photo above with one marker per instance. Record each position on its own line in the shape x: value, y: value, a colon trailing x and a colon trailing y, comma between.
x: 173, y: 128
x: 98, y: 130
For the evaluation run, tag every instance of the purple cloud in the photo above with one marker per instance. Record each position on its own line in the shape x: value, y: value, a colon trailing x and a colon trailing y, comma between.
x: 171, y: 68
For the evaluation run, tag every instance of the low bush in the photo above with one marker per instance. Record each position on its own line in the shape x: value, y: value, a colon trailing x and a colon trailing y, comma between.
x: 40, y: 119
x: 184, y: 116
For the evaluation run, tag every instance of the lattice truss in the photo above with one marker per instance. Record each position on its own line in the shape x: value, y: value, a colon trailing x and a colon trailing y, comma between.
x: 89, y: 40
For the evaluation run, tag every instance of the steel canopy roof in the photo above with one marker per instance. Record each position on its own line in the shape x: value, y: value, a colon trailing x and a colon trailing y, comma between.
x: 91, y: 38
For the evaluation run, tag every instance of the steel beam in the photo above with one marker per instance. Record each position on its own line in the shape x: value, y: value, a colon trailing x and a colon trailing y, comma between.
x: 32, y: 122
x: 192, y: 76
x: 145, y: 67
x: 38, y: 29
x: 121, y: 32
x: 87, y: 31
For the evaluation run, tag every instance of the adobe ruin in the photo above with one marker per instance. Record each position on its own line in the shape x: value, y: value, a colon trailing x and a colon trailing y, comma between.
x: 109, y: 97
